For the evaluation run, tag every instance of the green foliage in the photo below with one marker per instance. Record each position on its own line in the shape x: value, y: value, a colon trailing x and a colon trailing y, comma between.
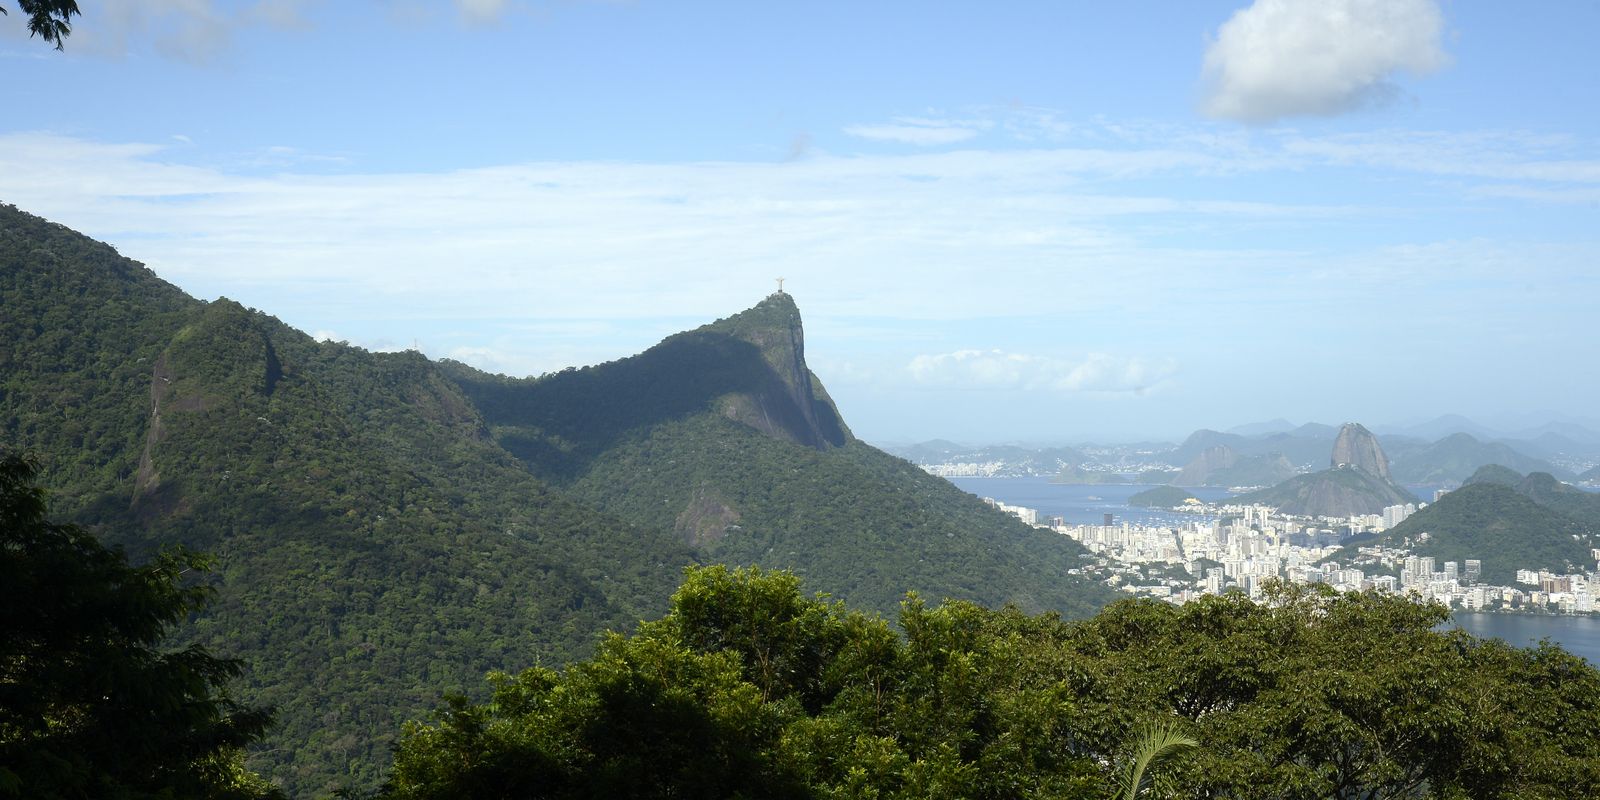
x: 1315, y: 695
x: 1160, y: 497
x: 380, y: 525
x: 1455, y: 457
x: 1155, y: 744
x: 374, y: 547
x: 90, y: 703
x: 1500, y: 526
x: 864, y: 525
x: 1336, y: 492
x: 50, y: 20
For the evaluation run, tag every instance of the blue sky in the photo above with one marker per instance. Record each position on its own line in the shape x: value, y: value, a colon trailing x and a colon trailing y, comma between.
x: 1018, y: 221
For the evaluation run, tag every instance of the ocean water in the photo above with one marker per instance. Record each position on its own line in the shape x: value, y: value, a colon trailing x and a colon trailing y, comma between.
x: 1579, y: 635
x: 1079, y: 504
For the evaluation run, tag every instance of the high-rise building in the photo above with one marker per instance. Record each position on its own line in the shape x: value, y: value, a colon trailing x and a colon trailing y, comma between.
x: 1451, y: 571
x: 1474, y: 571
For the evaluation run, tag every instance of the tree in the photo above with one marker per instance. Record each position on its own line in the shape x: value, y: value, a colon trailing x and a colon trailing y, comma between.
x: 90, y: 705
x: 50, y: 20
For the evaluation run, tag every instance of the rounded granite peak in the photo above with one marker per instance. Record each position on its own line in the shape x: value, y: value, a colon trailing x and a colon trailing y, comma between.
x: 1357, y: 447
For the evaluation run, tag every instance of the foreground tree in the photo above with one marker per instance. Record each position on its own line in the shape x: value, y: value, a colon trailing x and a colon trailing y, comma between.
x: 90, y: 705
x: 748, y: 688
x: 50, y: 20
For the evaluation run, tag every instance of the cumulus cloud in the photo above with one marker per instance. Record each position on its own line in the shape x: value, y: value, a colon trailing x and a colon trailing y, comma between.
x: 1285, y: 58
x: 920, y: 131
x: 997, y: 369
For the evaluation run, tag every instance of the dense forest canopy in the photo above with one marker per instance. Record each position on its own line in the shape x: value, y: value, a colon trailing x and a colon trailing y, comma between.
x: 94, y: 702
x: 749, y: 688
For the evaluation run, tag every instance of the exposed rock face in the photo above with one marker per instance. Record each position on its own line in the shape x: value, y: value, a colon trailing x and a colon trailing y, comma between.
x: 788, y: 401
x: 1357, y: 447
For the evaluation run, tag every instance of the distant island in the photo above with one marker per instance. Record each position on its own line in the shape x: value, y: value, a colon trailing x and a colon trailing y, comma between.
x: 1161, y: 497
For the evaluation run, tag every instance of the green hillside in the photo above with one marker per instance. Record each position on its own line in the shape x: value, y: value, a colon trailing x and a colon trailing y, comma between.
x: 375, y: 547
x: 388, y: 528
x: 722, y: 438
x: 1337, y: 492
x: 1160, y: 497
x: 1562, y: 498
x: 1456, y: 457
x: 1498, y: 525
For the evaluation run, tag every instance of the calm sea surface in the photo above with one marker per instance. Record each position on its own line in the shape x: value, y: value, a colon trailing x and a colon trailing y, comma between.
x: 1078, y: 503
x: 1081, y: 504
x: 1578, y: 634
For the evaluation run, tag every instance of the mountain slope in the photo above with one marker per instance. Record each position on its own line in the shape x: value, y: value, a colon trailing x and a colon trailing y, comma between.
x: 1337, y: 492
x: 741, y: 463
x: 375, y: 547
x: 1456, y: 457
x: 388, y: 528
x: 1221, y: 466
x: 1498, y: 525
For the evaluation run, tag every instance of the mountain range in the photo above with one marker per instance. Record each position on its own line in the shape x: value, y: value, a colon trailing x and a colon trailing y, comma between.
x: 387, y: 528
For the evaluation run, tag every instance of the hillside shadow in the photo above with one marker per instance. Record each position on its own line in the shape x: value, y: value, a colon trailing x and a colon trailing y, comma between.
x: 558, y: 423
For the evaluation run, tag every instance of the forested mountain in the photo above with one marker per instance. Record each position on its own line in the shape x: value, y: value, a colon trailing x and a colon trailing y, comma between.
x: 1221, y: 466
x: 1456, y: 457
x: 1500, y: 525
x: 375, y: 547
x: 1307, y: 444
x: 388, y: 528
x: 744, y: 458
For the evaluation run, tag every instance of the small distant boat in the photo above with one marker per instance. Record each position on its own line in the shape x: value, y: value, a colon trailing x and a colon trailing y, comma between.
x: 1094, y: 497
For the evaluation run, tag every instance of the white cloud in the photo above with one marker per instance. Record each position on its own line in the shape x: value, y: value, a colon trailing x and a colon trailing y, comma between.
x: 1045, y: 232
x: 922, y: 131
x: 196, y: 31
x: 997, y: 369
x: 1285, y: 58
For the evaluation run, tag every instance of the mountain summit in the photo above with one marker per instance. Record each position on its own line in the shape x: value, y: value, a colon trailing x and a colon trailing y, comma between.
x: 1358, y: 482
x: 788, y: 402
x: 1357, y: 447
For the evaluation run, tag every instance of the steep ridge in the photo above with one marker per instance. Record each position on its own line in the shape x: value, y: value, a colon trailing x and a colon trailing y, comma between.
x: 749, y: 368
x: 741, y: 455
